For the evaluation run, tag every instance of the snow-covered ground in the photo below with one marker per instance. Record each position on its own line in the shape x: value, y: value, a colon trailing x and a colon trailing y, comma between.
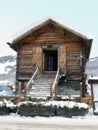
x: 17, y: 118
x: 15, y: 122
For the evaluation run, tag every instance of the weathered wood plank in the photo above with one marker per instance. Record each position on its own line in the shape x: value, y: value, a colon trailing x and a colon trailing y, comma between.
x: 74, y: 77
x: 25, y: 67
x: 27, y: 71
x: 73, y: 62
x: 25, y: 57
x: 22, y: 62
x: 26, y: 52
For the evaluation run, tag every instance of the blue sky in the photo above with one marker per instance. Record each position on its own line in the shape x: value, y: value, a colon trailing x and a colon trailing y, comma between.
x: 17, y: 14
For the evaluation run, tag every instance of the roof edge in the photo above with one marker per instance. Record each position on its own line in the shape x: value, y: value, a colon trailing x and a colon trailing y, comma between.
x: 27, y: 30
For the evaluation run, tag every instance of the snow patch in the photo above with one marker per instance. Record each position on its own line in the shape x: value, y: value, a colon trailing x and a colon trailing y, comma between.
x: 5, y: 82
x: 68, y: 104
x: 3, y: 93
x: 6, y: 67
x: 7, y: 103
x: 90, y: 36
x: 93, y: 78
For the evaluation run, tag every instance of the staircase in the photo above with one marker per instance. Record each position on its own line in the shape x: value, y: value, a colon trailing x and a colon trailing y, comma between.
x: 40, y: 88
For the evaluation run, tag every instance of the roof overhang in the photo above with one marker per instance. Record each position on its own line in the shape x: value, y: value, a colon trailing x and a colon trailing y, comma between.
x: 34, y: 27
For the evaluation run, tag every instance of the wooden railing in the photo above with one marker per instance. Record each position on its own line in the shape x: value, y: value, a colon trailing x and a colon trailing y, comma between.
x: 31, y: 79
x: 53, y: 90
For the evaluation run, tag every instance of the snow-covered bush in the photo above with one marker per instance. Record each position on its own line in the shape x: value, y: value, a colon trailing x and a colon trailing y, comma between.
x: 52, y: 108
x: 45, y: 108
x: 29, y: 108
x: 7, y: 107
x: 9, y: 104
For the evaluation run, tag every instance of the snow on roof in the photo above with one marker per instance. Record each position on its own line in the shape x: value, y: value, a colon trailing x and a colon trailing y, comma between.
x: 93, y: 78
x: 28, y: 29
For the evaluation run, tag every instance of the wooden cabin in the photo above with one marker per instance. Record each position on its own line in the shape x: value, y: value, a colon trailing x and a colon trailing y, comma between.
x: 51, y: 46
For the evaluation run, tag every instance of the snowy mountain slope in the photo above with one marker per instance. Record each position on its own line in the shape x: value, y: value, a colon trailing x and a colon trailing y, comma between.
x: 92, y: 67
x: 7, y: 69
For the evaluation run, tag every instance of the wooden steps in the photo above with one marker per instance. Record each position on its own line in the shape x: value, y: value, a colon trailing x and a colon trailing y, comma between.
x: 40, y: 88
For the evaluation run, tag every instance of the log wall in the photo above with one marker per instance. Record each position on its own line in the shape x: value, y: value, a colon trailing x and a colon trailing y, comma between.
x: 24, y: 62
x: 71, y: 54
x: 73, y: 67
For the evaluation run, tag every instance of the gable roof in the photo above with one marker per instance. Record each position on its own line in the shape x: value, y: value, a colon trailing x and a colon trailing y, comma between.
x: 33, y: 27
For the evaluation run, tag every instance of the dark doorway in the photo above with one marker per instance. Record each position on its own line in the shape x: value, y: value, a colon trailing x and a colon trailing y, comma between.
x: 50, y: 61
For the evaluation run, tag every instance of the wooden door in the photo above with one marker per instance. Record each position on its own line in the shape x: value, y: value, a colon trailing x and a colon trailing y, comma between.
x: 50, y: 60
x: 37, y: 58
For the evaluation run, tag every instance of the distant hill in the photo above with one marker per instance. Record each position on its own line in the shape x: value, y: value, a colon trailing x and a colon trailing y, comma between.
x: 8, y: 68
x: 92, y: 66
